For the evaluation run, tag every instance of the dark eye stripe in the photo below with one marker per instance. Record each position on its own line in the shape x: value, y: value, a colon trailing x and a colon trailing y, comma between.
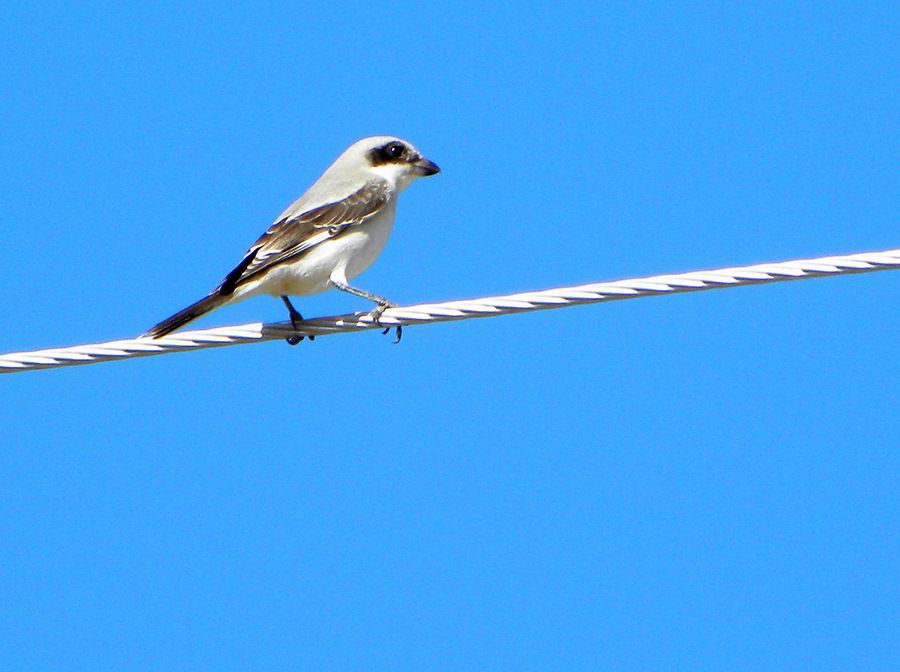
x: 393, y: 152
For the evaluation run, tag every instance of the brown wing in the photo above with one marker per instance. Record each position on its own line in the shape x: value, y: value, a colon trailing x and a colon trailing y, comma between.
x: 294, y: 235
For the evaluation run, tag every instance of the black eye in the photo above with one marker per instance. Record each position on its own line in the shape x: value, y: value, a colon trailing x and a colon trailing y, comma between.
x: 394, y: 150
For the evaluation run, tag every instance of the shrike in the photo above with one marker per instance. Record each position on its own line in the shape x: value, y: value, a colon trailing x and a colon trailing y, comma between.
x: 326, y: 237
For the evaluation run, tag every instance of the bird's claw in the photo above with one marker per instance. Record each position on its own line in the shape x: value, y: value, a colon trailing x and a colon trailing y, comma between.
x: 399, y: 329
x: 376, y: 319
x: 296, y: 338
x: 296, y: 317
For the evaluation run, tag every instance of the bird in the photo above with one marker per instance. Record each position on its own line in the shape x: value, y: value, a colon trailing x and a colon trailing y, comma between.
x: 325, y: 238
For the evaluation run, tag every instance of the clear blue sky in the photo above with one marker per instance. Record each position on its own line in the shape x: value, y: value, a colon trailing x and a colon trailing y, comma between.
x: 703, y: 482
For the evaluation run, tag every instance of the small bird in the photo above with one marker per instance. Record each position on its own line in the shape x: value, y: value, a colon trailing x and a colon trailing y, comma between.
x: 326, y: 237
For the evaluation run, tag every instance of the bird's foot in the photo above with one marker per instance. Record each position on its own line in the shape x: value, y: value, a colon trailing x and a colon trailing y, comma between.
x: 296, y: 318
x: 376, y: 318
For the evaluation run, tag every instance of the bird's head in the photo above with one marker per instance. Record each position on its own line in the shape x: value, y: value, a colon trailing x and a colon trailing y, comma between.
x: 392, y: 159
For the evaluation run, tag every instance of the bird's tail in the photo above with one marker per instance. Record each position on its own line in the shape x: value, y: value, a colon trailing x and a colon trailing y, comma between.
x: 182, y: 317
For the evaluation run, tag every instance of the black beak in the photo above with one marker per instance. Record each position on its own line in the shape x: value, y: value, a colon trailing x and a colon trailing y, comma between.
x: 425, y: 167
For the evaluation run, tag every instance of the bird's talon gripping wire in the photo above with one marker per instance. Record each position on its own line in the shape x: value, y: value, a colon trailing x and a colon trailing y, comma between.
x: 376, y: 319
x: 296, y: 317
x: 399, y: 329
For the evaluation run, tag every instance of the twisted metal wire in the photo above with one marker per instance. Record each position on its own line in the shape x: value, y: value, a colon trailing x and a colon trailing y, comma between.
x: 455, y: 310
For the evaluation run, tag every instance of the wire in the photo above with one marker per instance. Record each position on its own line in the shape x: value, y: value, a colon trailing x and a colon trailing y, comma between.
x: 455, y: 310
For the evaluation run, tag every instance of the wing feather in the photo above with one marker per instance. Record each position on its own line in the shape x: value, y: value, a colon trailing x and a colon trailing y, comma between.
x: 296, y: 234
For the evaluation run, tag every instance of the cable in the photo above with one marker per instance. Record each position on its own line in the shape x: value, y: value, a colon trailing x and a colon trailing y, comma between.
x: 456, y: 310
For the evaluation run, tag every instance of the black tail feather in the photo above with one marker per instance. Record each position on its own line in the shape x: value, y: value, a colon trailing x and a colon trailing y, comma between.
x: 182, y: 317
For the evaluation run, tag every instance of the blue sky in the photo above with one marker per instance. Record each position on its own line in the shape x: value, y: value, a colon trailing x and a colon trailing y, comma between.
x: 702, y: 481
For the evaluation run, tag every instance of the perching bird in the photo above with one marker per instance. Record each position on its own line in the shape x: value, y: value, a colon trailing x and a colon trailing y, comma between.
x: 326, y: 237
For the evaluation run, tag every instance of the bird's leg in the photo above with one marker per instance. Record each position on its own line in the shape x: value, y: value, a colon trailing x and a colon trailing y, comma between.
x: 295, y: 318
x: 383, y: 304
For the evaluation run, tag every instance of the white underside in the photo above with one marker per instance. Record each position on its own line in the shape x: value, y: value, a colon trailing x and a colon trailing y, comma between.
x: 341, y: 258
